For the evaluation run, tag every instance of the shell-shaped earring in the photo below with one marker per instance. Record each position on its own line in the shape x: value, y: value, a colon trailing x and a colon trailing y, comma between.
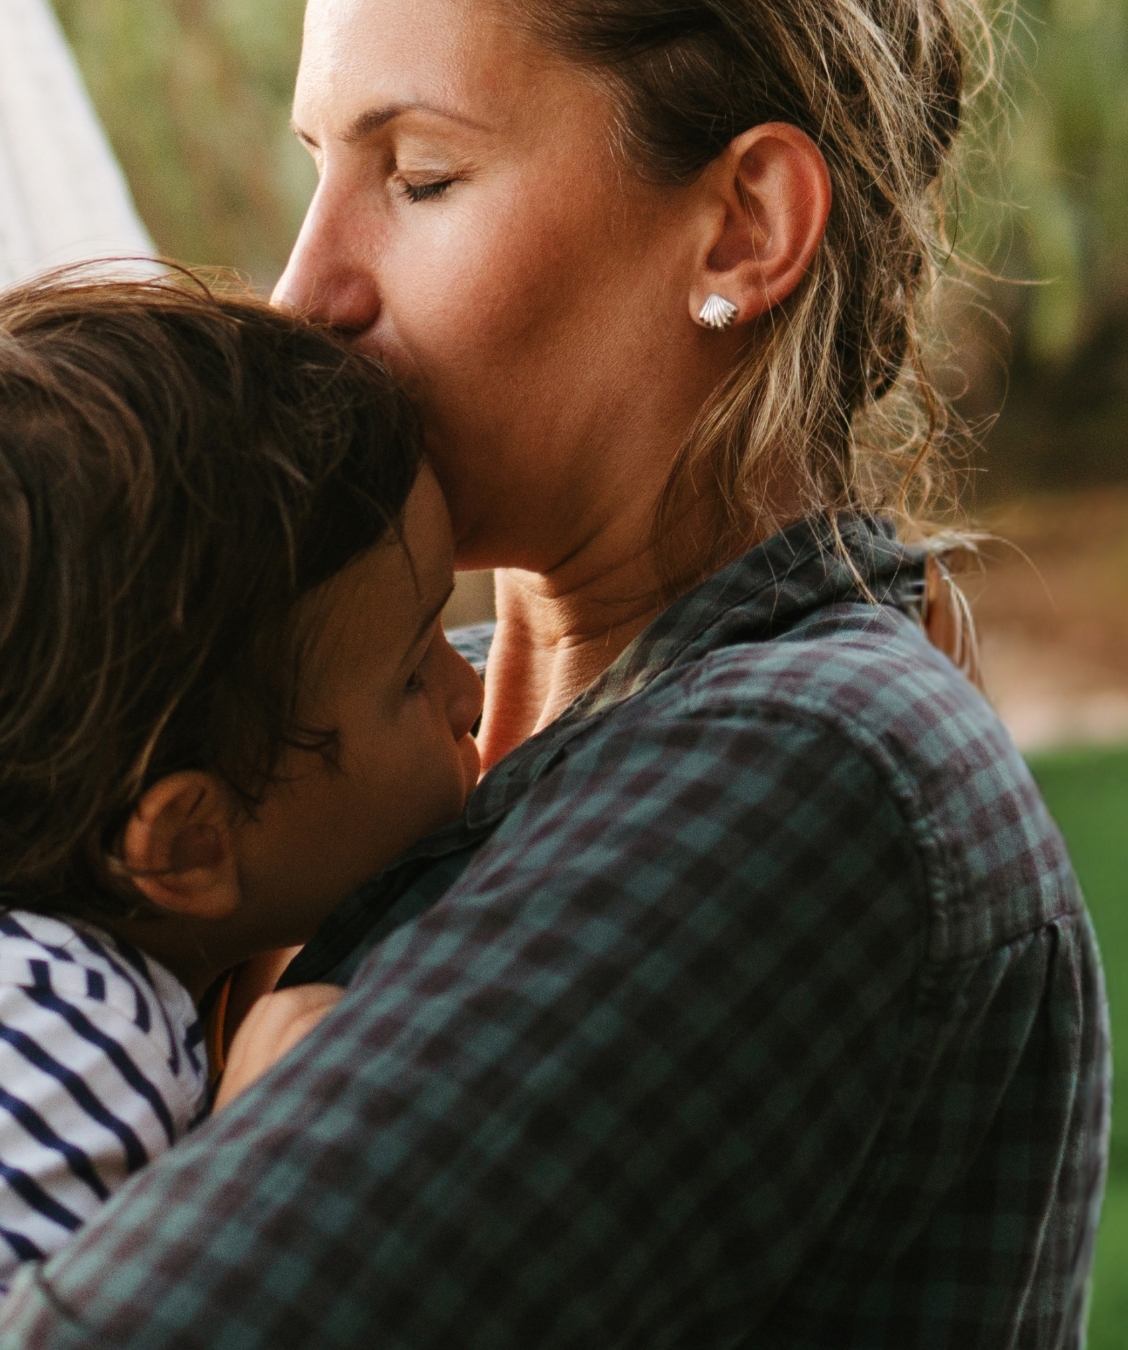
x: 718, y: 313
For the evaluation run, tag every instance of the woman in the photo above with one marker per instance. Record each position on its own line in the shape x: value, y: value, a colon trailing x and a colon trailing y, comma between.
x: 752, y: 1001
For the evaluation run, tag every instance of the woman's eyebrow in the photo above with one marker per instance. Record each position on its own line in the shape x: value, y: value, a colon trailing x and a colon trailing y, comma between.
x: 375, y: 118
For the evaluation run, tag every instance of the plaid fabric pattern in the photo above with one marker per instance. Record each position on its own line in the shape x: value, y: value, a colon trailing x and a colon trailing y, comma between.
x: 752, y: 1004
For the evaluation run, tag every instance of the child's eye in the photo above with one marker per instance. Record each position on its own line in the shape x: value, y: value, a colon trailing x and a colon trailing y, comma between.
x: 425, y: 192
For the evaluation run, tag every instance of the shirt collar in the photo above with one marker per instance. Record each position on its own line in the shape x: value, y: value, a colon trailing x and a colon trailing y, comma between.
x: 762, y: 593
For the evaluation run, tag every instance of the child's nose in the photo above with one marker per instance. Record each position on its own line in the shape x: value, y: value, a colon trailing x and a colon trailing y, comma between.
x: 467, y: 696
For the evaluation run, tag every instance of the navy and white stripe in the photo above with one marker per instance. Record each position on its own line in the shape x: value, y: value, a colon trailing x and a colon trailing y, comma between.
x: 101, y: 1070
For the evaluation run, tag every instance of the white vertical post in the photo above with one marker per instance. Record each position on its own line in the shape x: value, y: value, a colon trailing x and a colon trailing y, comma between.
x: 63, y: 197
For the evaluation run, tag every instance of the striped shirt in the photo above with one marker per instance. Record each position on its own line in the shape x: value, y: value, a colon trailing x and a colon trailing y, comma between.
x: 101, y: 1070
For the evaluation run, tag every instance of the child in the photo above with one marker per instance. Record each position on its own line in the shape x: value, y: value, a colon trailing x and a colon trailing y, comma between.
x: 225, y: 697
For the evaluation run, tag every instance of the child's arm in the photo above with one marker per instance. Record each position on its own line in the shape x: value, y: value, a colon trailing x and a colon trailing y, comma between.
x: 275, y: 1024
x: 249, y: 982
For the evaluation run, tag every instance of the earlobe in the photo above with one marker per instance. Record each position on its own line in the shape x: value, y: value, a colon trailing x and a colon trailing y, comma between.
x: 178, y: 848
x: 770, y: 196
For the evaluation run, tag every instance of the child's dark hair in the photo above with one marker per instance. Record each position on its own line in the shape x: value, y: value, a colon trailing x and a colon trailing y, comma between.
x: 177, y: 470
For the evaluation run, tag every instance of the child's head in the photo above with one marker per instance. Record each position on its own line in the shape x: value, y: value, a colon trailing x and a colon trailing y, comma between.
x: 224, y: 691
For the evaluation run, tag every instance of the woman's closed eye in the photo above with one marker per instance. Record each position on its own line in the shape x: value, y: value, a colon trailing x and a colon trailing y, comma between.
x: 425, y: 192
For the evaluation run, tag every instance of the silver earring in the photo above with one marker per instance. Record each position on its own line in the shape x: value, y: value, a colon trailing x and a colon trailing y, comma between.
x: 718, y: 313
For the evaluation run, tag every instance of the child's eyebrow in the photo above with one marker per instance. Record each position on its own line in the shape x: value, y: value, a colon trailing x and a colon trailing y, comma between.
x: 429, y: 618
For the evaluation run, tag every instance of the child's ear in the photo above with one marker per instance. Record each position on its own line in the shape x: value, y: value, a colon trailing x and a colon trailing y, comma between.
x: 178, y: 847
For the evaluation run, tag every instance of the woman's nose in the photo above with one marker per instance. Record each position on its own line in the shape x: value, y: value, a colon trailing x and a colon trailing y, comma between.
x: 326, y: 279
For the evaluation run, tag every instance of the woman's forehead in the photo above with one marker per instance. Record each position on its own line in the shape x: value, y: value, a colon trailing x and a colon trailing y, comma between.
x: 459, y: 56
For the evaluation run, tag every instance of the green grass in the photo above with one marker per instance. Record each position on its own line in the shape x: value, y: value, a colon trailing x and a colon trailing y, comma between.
x: 1108, y: 1315
x: 1088, y: 793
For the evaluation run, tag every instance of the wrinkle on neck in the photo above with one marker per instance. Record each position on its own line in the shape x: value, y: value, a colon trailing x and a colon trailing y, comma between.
x: 554, y: 639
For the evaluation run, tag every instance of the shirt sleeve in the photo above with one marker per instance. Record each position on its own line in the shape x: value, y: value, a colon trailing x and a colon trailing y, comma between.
x: 614, y: 1089
x: 87, y: 1097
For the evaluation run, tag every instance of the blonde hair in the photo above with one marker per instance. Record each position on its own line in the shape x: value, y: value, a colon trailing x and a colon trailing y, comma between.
x: 832, y: 394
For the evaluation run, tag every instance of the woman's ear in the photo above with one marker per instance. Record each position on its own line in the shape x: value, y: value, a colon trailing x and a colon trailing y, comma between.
x: 178, y: 847
x: 767, y: 202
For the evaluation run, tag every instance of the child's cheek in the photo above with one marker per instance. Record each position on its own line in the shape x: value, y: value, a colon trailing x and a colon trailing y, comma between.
x: 471, y: 765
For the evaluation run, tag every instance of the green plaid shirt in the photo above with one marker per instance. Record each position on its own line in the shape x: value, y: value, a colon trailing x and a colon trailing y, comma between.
x: 751, y: 1004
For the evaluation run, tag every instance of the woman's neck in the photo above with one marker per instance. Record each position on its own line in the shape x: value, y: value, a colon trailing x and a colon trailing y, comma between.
x: 559, y: 630
x: 554, y: 636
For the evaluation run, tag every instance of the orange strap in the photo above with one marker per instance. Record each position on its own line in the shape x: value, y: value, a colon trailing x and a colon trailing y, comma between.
x: 214, y: 1026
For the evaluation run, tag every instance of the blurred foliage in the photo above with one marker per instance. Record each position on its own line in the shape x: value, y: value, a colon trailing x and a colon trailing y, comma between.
x: 1039, y: 330
x: 1069, y: 166
x: 195, y: 96
x: 1050, y: 344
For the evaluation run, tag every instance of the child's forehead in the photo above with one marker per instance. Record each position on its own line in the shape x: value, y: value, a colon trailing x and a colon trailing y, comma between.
x: 427, y: 538
x: 396, y: 588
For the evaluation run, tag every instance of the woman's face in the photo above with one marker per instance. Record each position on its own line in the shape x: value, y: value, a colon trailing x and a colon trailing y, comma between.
x: 473, y: 227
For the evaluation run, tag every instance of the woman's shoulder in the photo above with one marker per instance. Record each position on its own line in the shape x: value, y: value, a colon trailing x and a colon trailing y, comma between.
x: 857, y: 683
x: 869, y: 671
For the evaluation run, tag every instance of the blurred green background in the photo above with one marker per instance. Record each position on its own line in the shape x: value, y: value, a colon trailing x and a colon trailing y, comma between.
x: 1045, y: 211
x: 195, y: 97
x: 1087, y: 790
